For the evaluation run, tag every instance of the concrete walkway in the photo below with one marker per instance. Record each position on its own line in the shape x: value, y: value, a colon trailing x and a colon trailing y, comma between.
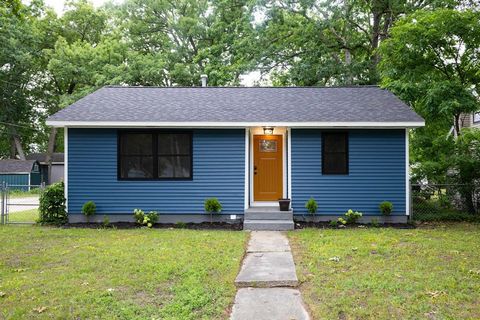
x: 267, y: 280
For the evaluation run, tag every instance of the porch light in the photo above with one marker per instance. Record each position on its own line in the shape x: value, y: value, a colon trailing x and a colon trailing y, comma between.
x: 267, y: 130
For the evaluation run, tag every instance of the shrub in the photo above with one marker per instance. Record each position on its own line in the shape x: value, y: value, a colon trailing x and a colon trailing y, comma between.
x: 333, y: 223
x: 311, y: 206
x: 52, y: 205
x: 352, y: 216
x: 212, y: 205
x: 342, y: 221
x: 106, y: 221
x: 180, y: 225
x: 89, y: 208
x: 143, y: 219
x: 386, y: 207
x: 375, y: 223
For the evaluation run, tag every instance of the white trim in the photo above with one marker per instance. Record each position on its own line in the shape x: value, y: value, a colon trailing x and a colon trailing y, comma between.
x: 289, y: 164
x: 9, y: 173
x: 407, y: 173
x: 247, y: 168
x: 207, y: 124
x: 29, y: 180
x: 258, y: 131
x: 65, y: 168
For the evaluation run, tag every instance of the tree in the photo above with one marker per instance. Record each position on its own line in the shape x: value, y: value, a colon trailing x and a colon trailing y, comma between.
x: 432, y: 62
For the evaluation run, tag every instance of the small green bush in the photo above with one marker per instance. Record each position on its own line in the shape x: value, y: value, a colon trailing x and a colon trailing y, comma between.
x: 180, y: 225
x: 375, y: 223
x: 352, y: 216
x: 333, y: 223
x: 52, y: 205
x: 89, y: 208
x: 212, y: 205
x: 386, y: 208
x: 106, y: 222
x: 143, y: 219
x: 311, y: 206
x: 342, y: 221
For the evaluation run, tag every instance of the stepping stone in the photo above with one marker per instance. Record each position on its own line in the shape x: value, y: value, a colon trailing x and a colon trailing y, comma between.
x: 268, y: 304
x: 268, y: 241
x: 267, y: 270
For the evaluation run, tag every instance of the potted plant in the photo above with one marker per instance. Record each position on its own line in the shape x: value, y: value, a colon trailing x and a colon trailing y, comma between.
x: 284, y: 204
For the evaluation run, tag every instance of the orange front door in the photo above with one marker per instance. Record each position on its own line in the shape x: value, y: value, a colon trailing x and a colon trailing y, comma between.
x: 267, y: 167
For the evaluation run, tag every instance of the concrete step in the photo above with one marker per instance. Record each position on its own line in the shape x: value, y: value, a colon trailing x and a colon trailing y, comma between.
x: 268, y: 215
x: 270, y: 225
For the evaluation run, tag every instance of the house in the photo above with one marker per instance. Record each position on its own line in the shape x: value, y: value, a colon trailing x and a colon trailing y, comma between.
x: 470, y: 120
x: 168, y: 149
x: 57, y: 166
x: 20, y: 174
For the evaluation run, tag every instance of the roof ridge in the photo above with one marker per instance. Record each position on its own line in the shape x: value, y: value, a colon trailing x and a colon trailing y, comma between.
x: 239, y: 87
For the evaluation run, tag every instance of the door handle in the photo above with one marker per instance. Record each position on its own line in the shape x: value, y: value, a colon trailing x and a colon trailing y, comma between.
x: 254, y: 169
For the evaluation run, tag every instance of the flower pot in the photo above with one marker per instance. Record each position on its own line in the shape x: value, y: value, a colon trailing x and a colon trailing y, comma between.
x: 284, y: 204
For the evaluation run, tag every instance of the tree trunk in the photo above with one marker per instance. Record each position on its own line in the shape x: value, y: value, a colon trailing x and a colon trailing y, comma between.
x: 377, y: 16
x: 456, y: 126
x: 18, y: 144
x: 13, y: 150
x: 348, y: 62
x: 50, y: 150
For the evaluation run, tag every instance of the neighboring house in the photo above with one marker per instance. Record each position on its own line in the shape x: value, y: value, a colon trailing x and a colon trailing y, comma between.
x: 168, y: 149
x: 57, y: 166
x: 470, y: 120
x: 20, y: 174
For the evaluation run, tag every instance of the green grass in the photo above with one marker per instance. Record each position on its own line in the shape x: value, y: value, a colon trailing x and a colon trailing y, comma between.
x: 30, y: 215
x: 117, y: 274
x: 390, y: 273
x: 33, y: 192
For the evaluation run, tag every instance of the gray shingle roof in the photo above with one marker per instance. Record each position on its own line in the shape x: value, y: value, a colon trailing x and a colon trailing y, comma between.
x: 239, y: 104
x: 41, y: 156
x: 16, y: 166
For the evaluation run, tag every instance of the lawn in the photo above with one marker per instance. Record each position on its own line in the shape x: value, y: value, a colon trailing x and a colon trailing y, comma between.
x: 117, y: 274
x: 390, y: 273
x: 30, y: 215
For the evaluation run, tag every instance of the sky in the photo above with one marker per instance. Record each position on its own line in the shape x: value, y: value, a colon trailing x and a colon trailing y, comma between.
x: 58, y: 5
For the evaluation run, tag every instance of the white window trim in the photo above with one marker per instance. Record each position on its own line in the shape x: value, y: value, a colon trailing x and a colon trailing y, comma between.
x: 407, y: 173
x: 65, y: 167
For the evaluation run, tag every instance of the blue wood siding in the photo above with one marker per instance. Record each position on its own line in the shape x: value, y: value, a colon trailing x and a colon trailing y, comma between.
x: 377, y: 173
x: 15, y: 181
x: 218, y: 171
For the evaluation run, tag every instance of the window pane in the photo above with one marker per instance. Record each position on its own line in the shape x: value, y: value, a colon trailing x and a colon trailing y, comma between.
x: 136, y: 144
x: 335, y: 163
x: 172, y: 144
x: 334, y: 142
x: 268, y: 145
x: 174, y: 167
x: 136, y: 167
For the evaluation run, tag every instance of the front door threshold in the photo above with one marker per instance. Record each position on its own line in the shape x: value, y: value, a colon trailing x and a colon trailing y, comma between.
x: 264, y: 204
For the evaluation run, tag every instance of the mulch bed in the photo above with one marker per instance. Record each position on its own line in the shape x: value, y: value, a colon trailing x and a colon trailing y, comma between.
x: 131, y: 225
x: 326, y: 225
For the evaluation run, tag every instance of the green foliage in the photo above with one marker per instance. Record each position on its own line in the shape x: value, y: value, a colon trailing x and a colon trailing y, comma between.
x: 106, y: 221
x: 386, y: 208
x: 143, y: 219
x: 375, y: 223
x: 52, y: 205
x: 333, y: 223
x: 352, y: 216
x: 89, y: 208
x: 311, y: 206
x: 180, y: 225
x: 342, y: 221
x: 212, y: 205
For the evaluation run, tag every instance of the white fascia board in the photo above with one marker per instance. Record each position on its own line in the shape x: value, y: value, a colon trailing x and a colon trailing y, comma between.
x: 153, y: 124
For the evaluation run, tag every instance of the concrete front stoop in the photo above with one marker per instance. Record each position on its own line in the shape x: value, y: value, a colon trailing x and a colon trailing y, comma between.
x: 268, y: 218
x: 267, y: 281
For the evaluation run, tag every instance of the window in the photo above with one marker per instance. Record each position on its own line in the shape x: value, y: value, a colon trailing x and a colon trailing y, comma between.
x: 476, y: 117
x: 155, y: 155
x: 335, y: 153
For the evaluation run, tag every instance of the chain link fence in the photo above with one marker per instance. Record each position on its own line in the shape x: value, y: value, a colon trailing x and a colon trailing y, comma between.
x: 445, y: 202
x: 19, y: 203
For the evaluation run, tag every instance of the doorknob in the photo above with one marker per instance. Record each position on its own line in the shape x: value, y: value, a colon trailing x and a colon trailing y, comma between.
x: 254, y: 169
